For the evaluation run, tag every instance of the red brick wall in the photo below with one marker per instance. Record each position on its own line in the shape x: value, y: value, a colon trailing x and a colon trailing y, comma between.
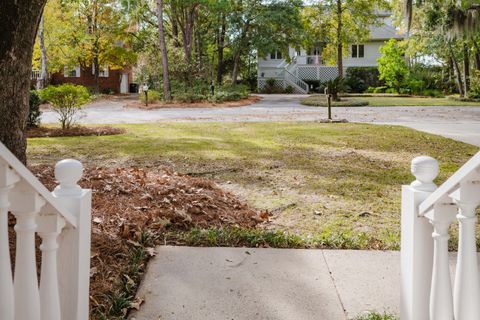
x: 87, y: 79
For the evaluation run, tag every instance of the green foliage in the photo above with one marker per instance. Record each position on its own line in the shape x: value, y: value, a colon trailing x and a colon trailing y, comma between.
x: 392, y: 66
x: 230, y: 93
x: 34, y: 112
x: 66, y: 100
x: 153, y: 96
x: 381, y: 89
x: 359, y: 79
x: 334, y: 86
x: 475, y: 86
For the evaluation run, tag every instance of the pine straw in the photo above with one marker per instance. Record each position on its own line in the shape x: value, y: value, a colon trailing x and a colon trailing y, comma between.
x: 131, y: 202
x: 44, y: 132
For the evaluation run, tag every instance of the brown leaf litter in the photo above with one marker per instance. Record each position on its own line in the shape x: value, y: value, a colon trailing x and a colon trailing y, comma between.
x: 130, y: 201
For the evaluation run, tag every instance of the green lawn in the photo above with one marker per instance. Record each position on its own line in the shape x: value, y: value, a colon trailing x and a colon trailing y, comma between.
x: 337, y: 182
x: 394, y: 101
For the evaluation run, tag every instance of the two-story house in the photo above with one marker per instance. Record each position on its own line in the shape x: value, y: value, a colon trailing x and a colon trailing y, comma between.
x: 307, y: 64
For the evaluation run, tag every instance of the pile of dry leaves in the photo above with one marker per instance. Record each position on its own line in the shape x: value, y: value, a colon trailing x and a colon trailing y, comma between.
x: 127, y: 202
x: 44, y: 132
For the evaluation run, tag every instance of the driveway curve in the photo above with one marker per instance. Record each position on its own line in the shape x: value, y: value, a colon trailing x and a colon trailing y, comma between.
x: 460, y: 123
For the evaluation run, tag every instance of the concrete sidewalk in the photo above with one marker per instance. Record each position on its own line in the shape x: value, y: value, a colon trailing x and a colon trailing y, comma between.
x: 185, y: 283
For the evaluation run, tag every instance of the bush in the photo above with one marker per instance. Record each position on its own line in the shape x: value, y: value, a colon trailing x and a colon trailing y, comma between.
x: 153, y: 96
x: 474, y: 92
x: 359, y: 79
x: 370, y: 90
x: 189, y: 97
x: 381, y: 89
x: 392, y: 66
x: 67, y: 101
x: 34, y: 112
x: 289, y: 89
x: 334, y: 86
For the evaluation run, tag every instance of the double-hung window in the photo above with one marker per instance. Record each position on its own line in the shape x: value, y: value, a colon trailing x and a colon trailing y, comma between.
x: 358, y: 51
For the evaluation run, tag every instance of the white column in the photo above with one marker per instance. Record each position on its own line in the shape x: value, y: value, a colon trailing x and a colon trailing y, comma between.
x: 441, y: 300
x: 416, y: 242
x: 6, y: 283
x: 74, y: 251
x: 467, y: 289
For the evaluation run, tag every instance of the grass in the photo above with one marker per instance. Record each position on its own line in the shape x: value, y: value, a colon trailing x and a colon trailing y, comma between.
x: 376, y: 316
x: 319, y: 100
x: 326, y: 185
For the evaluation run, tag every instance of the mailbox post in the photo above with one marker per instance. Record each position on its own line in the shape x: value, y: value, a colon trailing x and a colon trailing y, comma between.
x: 329, y: 102
x: 145, y: 89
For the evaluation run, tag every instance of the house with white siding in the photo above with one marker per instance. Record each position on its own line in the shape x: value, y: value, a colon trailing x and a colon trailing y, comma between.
x: 307, y: 65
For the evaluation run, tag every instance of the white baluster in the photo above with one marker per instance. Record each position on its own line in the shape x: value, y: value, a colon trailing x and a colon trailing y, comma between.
x: 26, y: 204
x: 7, y: 181
x: 441, y: 300
x: 467, y: 289
x: 49, y: 227
x: 6, y: 284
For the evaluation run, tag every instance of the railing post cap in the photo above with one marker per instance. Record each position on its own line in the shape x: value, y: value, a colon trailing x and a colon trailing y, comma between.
x: 68, y: 172
x: 425, y: 169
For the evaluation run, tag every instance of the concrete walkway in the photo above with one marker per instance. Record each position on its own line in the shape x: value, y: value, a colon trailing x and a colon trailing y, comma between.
x: 460, y: 123
x: 184, y: 283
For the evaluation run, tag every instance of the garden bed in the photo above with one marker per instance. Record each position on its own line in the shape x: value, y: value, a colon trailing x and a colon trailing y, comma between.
x: 203, y: 104
x: 132, y: 208
x: 321, y: 101
x: 46, y: 132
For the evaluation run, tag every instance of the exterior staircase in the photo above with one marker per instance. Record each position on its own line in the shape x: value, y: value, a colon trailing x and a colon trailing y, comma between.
x: 289, y: 72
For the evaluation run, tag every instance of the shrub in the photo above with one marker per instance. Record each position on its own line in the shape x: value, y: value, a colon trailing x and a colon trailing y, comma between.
x: 474, y: 92
x: 416, y: 86
x: 334, y: 86
x: 359, y: 79
x: 370, y: 90
x: 392, y: 66
x: 289, y: 89
x: 153, y: 96
x: 67, y: 101
x: 189, y: 97
x: 380, y: 89
x: 34, y: 112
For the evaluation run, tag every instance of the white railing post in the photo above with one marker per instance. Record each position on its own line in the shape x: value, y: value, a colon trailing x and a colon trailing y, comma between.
x: 467, y: 286
x: 74, y: 243
x: 49, y: 227
x: 441, y: 300
x: 25, y: 206
x: 7, y: 180
x: 416, y: 242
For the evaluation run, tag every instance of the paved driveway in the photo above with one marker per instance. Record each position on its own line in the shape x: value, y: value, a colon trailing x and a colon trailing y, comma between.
x: 460, y: 123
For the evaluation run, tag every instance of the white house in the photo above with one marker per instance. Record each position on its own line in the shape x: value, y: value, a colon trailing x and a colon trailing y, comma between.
x: 306, y: 64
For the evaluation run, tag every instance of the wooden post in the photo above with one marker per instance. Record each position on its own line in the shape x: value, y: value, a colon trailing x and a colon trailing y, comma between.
x: 329, y: 99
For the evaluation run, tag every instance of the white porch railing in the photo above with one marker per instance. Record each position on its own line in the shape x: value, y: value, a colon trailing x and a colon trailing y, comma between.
x: 427, y: 213
x: 62, y: 221
x: 36, y: 74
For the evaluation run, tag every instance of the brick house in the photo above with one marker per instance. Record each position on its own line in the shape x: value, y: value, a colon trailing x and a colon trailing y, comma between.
x: 110, y: 80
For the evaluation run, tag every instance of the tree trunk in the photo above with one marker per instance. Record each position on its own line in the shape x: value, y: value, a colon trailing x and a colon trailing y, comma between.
x: 466, y: 70
x: 19, y: 23
x: 458, y: 75
x: 339, y: 39
x: 44, y: 69
x: 163, y: 49
x: 236, y: 66
x: 477, y: 56
x: 221, y: 46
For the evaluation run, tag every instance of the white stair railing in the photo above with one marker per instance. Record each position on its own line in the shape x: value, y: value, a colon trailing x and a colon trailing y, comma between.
x: 62, y: 221
x: 428, y: 212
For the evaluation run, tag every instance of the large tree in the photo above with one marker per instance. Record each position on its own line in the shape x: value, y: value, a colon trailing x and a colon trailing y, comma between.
x: 19, y: 20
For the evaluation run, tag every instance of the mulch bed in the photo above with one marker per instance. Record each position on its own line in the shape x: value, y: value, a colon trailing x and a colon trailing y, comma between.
x: 45, y: 132
x: 228, y: 104
x: 127, y: 202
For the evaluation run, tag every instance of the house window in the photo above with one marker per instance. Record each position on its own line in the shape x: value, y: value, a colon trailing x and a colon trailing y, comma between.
x: 103, y: 72
x: 276, y: 55
x: 358, y: 51
x: 69, y: 72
